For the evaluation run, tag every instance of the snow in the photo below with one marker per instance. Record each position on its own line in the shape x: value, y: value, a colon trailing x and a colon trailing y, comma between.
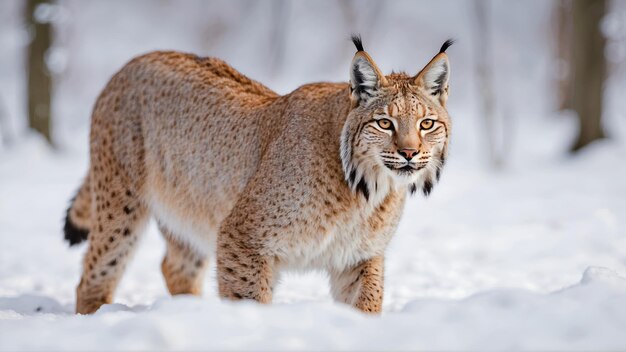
x: 532, y: 256
x: 588, y: 315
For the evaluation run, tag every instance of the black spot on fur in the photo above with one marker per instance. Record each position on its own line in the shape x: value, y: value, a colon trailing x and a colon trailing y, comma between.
x: 72, y: 233
x: 356, y: 39
x: 126, y: 232
x: 413, y: 188
x: 238, y: 296
x: 427, y: 188
x: 445, y: 45
x: 113, y: 262
x: 127, y: 209
x: 362, y: 187
x: 443, y: 162
x: 352, y: 177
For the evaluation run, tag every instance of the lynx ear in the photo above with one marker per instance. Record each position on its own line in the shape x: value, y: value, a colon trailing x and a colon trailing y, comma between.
x: 434, y: 77
x: 365, y: 77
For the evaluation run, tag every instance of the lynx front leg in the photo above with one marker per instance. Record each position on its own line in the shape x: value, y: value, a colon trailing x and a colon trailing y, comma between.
x: 360, y: 286
x: 242, y: 272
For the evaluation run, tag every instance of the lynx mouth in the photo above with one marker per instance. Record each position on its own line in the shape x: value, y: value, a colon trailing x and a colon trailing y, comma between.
x: 406, y: 169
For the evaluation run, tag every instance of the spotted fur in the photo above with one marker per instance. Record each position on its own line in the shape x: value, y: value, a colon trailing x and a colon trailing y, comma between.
x: 263, y: 182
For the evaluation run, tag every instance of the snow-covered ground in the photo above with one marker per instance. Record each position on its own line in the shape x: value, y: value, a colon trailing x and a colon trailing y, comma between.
x: 533, y: 257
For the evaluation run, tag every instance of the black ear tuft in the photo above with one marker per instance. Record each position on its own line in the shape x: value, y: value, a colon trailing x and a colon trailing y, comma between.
x: 356, y: 39
x: 445, y: 45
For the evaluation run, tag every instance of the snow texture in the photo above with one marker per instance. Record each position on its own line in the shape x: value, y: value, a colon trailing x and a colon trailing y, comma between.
x: 530, y: 257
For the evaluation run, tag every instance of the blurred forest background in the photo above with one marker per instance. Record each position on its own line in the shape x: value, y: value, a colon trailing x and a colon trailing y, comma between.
x: 520, y: 70
x: 521, y: 247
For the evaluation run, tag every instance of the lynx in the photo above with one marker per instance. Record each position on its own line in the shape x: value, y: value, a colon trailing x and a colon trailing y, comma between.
x: 315, y: 179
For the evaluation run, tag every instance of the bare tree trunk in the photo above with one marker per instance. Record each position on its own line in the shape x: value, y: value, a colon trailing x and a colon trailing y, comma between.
x: 39, y: 78
x: 589, y: 69
x: 563, y: 48
x: 5, y: 133
x: 484, y: 68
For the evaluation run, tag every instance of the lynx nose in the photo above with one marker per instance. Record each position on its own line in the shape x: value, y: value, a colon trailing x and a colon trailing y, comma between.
x: 408, y: 153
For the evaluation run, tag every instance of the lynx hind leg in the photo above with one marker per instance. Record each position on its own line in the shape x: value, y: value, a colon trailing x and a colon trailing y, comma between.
x: 183, y: 267
x: 117, y: 221
x: 360, y: 286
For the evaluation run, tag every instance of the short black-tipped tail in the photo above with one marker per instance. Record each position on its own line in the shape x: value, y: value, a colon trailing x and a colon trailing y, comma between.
x: 78, y: 215
x: 73, y: 234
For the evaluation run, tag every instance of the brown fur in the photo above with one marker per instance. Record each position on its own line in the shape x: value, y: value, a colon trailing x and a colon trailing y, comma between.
x: 220, y: 160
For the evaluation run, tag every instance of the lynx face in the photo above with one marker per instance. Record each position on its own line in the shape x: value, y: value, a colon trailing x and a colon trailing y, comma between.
x: 405, y: 143
x: 396, y: 134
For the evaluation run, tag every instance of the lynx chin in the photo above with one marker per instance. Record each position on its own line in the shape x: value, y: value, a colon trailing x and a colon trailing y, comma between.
x: 315, y: 179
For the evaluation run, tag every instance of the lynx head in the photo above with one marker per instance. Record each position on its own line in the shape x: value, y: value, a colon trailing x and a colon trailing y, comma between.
x: 396, y: 134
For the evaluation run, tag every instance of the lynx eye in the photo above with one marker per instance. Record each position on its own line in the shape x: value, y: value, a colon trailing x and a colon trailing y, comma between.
x: 385, y: 124
x: 427, y: 124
